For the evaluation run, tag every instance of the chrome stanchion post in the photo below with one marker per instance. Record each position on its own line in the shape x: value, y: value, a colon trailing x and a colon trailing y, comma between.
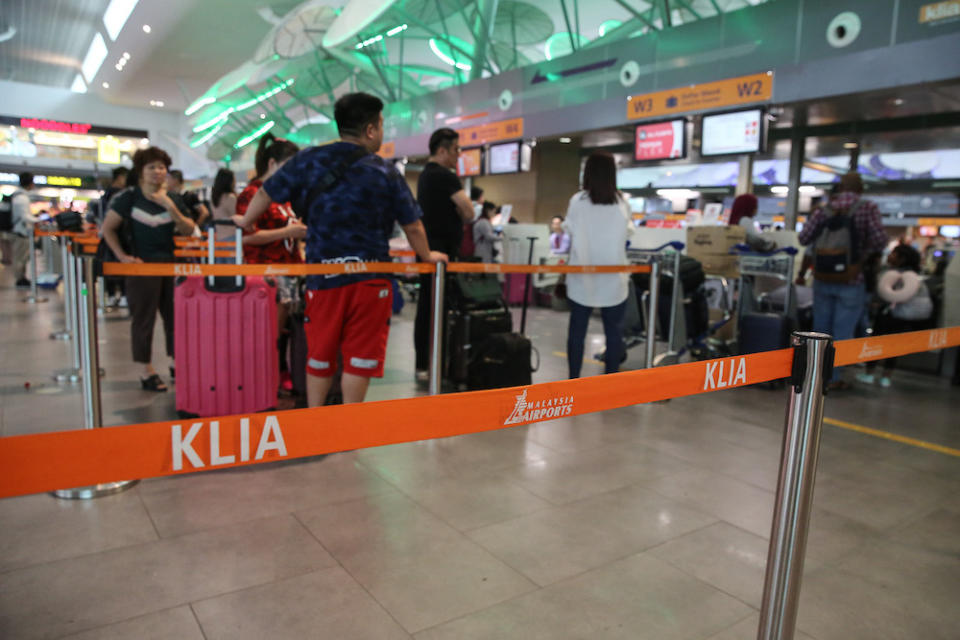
x: 72, y: 373
x: 436, y: 328
x: 92, y: 416
x: 101, y: 297
x: 674, y: 299
x: 652, y: 301
x: 34, y: 297
x: 69, y: 307
x: 812, y: 369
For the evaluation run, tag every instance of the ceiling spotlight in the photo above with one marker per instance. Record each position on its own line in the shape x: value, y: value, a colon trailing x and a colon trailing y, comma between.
x: 263, y: 116
x: 146, y: 28
x: 565, y: 140
x: 118, y: 67
x: 898, y: 101
x: 105, y: 85
x: 126, y: 55
x: 850, y: 145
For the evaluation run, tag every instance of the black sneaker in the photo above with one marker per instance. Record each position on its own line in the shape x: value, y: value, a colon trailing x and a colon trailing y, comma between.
x: 23, y: 283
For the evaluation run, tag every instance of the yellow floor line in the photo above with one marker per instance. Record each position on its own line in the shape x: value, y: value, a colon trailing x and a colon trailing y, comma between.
x: 886, y: 435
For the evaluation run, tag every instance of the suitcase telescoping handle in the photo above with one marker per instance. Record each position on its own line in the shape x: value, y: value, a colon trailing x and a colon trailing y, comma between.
x: 212, y: 244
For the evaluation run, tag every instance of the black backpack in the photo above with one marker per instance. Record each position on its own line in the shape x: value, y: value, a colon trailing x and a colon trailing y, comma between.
x: 6, y: 213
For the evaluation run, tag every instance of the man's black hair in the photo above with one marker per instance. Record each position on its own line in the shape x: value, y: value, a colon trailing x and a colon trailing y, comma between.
x: 176, y: 174
x: 442, y: 138
x: 26, y: 179
x: 354, y: 111
x: 476, y: 193
x: 120, y: 172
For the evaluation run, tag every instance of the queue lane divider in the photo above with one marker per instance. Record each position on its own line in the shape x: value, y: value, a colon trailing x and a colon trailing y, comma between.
x: 42, y: 462
x: 47, y: 461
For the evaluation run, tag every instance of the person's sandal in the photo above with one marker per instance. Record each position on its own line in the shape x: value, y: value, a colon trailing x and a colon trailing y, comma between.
x: 153, y: 383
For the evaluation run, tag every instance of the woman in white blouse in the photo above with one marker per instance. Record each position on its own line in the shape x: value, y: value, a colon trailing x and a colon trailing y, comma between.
x: 598, y: 223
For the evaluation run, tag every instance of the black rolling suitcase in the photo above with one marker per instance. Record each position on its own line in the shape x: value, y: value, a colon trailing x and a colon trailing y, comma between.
x: 501, y: 360
x: 297, y: 363
x: 468, y: 329
x: 478, y: 313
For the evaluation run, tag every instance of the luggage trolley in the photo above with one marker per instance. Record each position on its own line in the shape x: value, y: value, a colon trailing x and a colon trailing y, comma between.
x: 638, y: 316
x: 760, y: 329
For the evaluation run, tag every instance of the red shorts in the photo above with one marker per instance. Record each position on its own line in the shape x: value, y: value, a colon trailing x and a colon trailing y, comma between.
x: 354, y: 321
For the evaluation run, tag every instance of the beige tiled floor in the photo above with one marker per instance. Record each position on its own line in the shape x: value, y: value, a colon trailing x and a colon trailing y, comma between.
x: 645, y: 522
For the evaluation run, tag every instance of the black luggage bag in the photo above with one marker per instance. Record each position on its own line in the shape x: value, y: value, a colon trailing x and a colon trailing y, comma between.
x: 467, y: 329
x: 763, y: 332
x: 501, y: 360
x: 691, y: 277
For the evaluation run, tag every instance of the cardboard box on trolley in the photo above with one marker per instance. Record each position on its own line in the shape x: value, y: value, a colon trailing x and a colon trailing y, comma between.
x: 711, y: 244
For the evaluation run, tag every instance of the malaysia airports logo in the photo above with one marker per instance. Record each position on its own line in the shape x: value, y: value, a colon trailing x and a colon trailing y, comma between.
x: 555, y: 407
x: 870, y: 351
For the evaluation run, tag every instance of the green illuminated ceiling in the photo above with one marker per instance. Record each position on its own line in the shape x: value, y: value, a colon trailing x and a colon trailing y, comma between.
x: 399, y: 49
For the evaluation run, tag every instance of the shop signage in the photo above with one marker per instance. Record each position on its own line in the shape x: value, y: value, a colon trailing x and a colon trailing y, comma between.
x: 54, y: 125
x: 937, y: 11
x: 77, y: 128
x: 731, y: 92
x: 491, y: 132
x: 64, y: 181
x: 936, y: 222
x: 108, y: 150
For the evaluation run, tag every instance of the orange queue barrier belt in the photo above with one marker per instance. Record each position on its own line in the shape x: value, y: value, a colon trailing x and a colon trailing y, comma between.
x: 171, y: 269
x: 65, y: 459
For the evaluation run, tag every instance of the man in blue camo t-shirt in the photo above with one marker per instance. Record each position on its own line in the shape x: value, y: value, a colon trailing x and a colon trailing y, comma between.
x: 350, y: 221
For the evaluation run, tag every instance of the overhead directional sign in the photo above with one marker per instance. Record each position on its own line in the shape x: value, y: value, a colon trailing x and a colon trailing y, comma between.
x: 731, y: 92
x: 491, y: 132
x: 550, y: 76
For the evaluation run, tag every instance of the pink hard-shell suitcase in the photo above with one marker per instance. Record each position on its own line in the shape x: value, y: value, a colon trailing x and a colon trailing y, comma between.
x: 513, y: 285
x: 225, y: 344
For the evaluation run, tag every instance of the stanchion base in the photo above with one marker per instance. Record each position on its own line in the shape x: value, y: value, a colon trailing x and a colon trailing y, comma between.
x: 67, y: 375
x: 95, y: 491
x: 35, y: 299
x: 61, y: 335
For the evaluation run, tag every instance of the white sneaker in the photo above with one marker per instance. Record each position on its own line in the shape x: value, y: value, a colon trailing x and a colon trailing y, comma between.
x: 885, y: 382
x: 866, y: 378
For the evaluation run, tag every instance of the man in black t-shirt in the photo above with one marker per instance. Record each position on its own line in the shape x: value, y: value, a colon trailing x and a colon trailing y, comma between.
x: 446, y: 206
x: 197, y: 211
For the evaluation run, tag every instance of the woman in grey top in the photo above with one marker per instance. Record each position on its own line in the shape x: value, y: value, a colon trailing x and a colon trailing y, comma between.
x: 483, y: 234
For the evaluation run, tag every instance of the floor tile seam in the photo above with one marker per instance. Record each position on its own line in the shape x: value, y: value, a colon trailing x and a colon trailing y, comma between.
x: 534, y: 588
x: 684, y: 502
x: 343, y: 568
x: 140, y: 544
x: 897, y: 529
x: 125, y: 620
x: 923, y: 474
x: 748, y: 482
x: 541, y: 509
x: 196, y: 618
x: 881, y: 531
x: 248, y: 587
x: 708, y: 584
x: 146, y: 510
x: 464, y: 532
x: 618, y: 558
